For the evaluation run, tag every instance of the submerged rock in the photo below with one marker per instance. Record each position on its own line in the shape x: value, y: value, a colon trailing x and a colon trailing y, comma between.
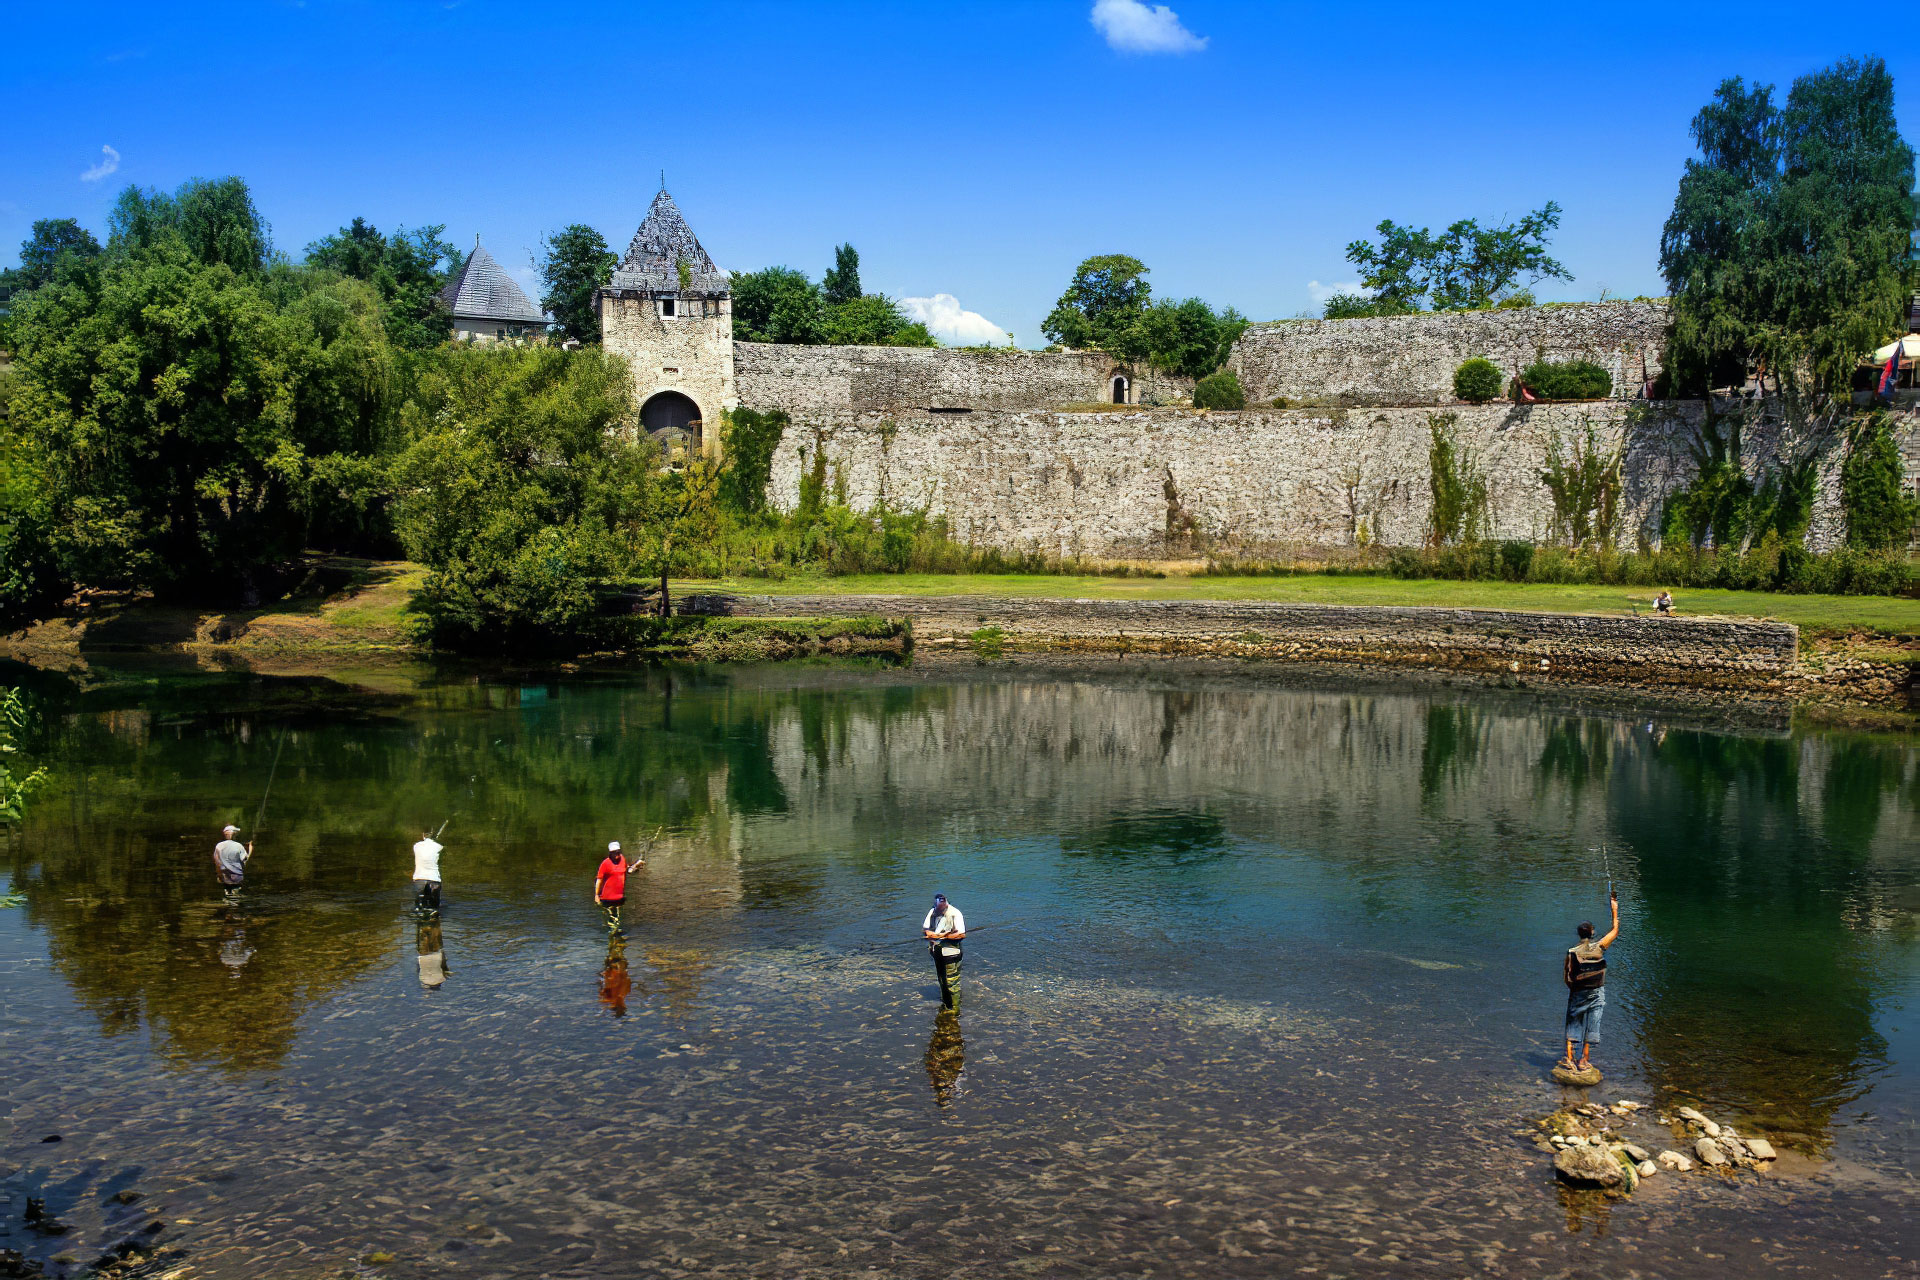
x: 1584, y: 1079
x: 1675, y: 1161
x: 1689, y: 1114
x: 1585, y: 1166
x: 1639, y: 1153
x: 1710, y: 1153
x: 1761, y: 1149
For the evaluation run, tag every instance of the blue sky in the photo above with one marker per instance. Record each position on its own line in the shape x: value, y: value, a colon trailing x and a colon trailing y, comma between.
x: 977, y: 150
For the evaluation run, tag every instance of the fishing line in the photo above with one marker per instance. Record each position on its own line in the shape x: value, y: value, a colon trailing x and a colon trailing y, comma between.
x: 260, y: 815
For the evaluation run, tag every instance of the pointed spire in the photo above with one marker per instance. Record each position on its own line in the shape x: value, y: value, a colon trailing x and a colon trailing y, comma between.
x: 662, y: 243
x: 484, y: 290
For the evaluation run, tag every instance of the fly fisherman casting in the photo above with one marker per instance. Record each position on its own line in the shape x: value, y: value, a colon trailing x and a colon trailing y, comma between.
x: 426, y: 872
x: 1585, y: 973
x: 943, y: 929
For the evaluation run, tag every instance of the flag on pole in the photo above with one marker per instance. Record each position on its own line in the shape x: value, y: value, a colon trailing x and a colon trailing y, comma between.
x: 1891, y: 374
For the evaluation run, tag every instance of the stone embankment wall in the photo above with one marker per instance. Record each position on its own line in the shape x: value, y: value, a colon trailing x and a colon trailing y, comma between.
x: 807, y: 380
x: 1649, y: 650
x: 1147, y: 483
x: 1410, y: 360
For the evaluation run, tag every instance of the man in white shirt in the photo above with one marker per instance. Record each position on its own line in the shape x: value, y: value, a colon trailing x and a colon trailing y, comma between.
x: 426, y: 875
x: 943, y: 929
x: 230, y: 858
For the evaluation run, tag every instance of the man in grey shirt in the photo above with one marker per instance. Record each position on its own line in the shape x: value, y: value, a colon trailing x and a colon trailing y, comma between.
x: 230, y: 858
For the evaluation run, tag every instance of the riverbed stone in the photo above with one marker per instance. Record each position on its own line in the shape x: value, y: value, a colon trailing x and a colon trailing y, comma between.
x: 1761, y: 1149
x: 1583, y: 1079
x: 1675, y: 1161
x: 1638, y: 1152
x: 1692, y: 1117
x: 1588, y: 1167
x: 1710, y: 1153
x: 1647, y: 1168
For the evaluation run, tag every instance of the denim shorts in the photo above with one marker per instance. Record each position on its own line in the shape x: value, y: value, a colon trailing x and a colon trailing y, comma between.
x: 1583, y: 1015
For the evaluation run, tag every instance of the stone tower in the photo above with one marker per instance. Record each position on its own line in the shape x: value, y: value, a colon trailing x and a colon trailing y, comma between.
x: 669, y: 311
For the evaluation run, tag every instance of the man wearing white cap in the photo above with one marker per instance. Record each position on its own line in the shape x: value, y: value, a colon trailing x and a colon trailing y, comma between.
x: 610, y: 885
x: 426, y: 875
x: 230, y: 858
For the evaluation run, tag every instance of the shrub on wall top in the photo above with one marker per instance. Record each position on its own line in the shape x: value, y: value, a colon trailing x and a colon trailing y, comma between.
x: 1220, y: 390
x: 1477, y: 381
x: 1571, y: 380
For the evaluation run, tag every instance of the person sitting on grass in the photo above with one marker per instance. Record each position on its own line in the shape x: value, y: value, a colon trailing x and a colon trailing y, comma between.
x: 1586, y: 976
x: 1663, y: 603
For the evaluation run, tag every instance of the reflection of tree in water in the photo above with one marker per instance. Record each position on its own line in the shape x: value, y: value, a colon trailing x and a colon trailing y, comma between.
x: 946, y: 1057
x: 1755, y: 991
x: 1174, y: 835
x: 1577, y: 753
x: 1455, y: 735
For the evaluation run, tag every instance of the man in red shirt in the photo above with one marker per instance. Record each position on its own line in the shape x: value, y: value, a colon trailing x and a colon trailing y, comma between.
x: 610, y: 886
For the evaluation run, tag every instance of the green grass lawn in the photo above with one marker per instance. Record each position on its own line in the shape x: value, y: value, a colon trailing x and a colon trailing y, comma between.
x: 1816, y: 613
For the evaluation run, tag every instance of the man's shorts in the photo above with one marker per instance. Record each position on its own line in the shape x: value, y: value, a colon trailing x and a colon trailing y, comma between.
x: 1583, y: 1015
x: 612, y: 902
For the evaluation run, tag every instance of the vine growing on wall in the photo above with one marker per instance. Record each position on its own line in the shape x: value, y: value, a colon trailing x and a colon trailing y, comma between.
x: 1458, y: 485
x: 1880, y: 517
x: 1584, y: 480
x: 1721, y: 505
x: 749, y: 438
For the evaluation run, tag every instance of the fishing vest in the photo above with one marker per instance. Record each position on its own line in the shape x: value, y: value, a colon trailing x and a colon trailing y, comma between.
x: 943, y: 949
x: 1587, y: 965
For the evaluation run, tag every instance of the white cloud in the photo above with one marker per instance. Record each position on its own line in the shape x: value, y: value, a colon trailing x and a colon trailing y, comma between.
x: 1321, y: 292
x: 1133, y: 27
x: 948, y: 321
x: 109, y: 161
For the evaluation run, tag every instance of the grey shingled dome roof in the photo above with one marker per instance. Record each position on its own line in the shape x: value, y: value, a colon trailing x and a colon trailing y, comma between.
x: 484, y: 291
x: 664, y: 240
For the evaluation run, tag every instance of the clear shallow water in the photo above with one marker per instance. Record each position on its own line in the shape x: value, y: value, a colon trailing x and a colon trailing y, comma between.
x: 1265, y: 977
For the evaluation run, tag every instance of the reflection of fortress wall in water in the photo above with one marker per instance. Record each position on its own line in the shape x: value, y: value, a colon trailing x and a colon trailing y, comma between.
x: 1334, y: 774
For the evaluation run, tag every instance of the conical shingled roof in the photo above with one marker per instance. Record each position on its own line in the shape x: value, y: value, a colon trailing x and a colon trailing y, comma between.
x: 485, y: 291
x: 662, y: 243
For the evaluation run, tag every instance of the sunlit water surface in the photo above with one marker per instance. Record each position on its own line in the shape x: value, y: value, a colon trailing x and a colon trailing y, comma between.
x: 1265, y: 977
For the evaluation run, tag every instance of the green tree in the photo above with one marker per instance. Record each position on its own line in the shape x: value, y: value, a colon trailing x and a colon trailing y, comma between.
x: 213, y: 220
x: 574, y: 262
x: 408, y: 269
x: 674, y: 511
x: 51, y: 240
x: 777, y: 304
x: 1787, y: 247
x: 184, y: 414
x: 873, y: 320
x: 1466, y: 266
x: 519, y: 465
x: 1880, y: 517
x: 1220, y: 390
x: 1355, y: 306
x: 1187, y: 337
x: 1102, y: 305
x: 841, y: 284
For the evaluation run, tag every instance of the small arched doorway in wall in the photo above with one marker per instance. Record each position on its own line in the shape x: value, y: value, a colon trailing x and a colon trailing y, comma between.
x: 1120, y: 388
x: 671, y: 412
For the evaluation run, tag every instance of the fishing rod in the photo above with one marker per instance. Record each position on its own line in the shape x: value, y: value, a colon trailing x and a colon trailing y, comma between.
x: 260, y: 815
x: 1608, y: 863
x: 443, y: 827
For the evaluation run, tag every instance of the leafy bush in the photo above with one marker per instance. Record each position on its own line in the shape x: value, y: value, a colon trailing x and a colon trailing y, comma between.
x: 1770, y: 566
x: 1220, y: 390
x: 1477, y: 381
x: 1569, y: 380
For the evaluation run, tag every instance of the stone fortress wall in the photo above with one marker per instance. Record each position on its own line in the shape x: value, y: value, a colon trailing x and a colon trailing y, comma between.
x: 803, y: 380
x: 1142, y: 482
x: 1406, y: 360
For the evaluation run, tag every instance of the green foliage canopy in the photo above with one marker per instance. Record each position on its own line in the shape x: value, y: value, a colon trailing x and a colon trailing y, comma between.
x: 1465, y: 267
x: 1880, y: 517
x: 841, y: 284
x: 407, y: 269
x: 1220, y: 390
x: 776, y: 304
x: 574, y: 262
x: 1788, y: 240
x: 1102, y: 305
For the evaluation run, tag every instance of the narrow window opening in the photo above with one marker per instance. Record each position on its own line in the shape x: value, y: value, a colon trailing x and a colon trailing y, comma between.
x: 666, y: 306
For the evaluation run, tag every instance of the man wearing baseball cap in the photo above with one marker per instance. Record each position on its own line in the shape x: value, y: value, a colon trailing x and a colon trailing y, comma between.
x: 610, y: 885
x: 943, y: 929
x: 230, y: 859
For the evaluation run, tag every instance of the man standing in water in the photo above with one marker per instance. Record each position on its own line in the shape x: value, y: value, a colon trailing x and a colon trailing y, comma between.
x: 1586, y: 976
x: 230, y: 859
x: 943, y: 929
x: 426, y: 874
x: 610, y: 885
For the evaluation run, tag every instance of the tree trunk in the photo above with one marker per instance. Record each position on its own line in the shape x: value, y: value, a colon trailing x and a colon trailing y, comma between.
x: 666, y: 601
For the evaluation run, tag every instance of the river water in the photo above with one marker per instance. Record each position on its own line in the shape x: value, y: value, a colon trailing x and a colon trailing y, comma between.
x: 1264, y: 978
